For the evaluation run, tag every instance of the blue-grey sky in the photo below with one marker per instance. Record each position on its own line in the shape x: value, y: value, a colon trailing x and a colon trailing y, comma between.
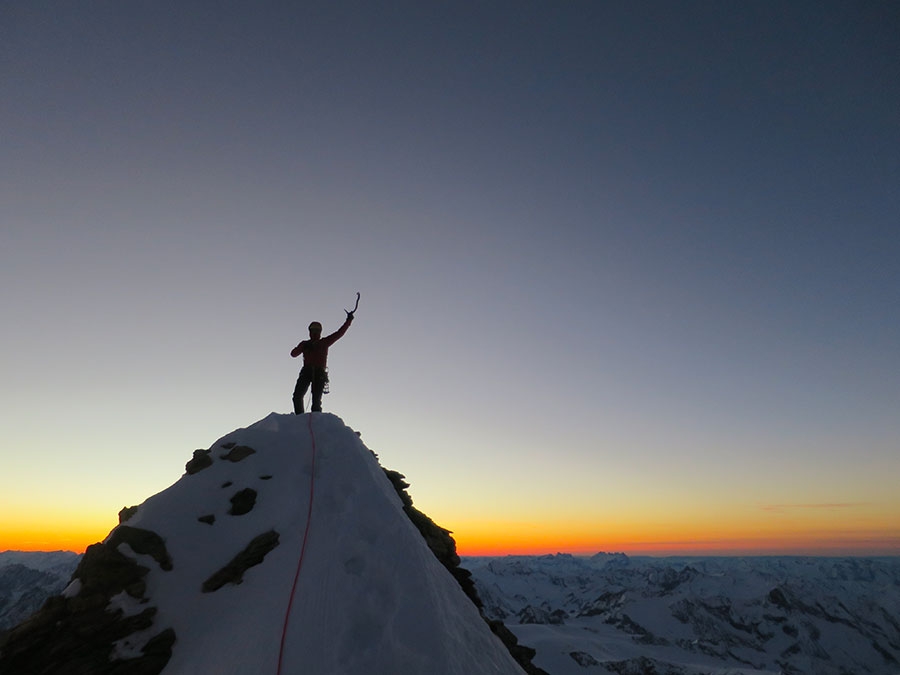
x: 637, y: 258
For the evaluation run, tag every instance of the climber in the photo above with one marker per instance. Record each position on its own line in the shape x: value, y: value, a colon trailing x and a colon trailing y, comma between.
x: 315, y: 358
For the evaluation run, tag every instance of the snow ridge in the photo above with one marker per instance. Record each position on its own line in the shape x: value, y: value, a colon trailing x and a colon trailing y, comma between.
x: 205, y: 569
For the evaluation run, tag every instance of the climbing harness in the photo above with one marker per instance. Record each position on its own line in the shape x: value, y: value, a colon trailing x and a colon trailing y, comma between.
x: 312, y: 494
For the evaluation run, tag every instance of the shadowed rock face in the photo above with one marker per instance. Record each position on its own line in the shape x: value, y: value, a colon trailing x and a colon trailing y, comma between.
x: 74, y: 634
x: 253, y: 554
x: 142, y: 541
x: 201, y: 460
x: 242, y: 502
x: 444, y: 548
x: 126, y: 513
x: 238, y: 452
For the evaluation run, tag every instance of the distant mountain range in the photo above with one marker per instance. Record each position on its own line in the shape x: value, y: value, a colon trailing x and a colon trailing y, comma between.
x: 27, y: 579
x: 698, y: 616
x: 636, y: 616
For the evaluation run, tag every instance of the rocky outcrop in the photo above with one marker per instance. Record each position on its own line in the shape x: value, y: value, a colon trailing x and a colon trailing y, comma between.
x: 76, y: 632
x: 584, y: 659
x: 531, y: 614
x: 143, y: 542
x: 643, y: 666
x: 237, y: 452
x: 126, y: 513
x: 242, y: 502
x: 253, y: 554
x: 443, y: 546
x: 201, y: 460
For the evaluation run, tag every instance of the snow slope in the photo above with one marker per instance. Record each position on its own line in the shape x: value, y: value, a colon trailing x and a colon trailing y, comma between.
x: 698, y: 616
x: 370, y: 596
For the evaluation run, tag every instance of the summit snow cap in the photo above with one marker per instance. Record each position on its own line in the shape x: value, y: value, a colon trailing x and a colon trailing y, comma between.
x: 197, y: 578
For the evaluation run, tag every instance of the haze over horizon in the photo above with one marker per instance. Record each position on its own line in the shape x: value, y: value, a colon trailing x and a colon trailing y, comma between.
x: 629, y: 272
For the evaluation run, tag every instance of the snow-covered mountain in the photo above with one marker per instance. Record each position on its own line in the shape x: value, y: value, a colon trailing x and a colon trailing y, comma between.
x: 285, y: 548
x: 691, y: 616
x: 27, y: 579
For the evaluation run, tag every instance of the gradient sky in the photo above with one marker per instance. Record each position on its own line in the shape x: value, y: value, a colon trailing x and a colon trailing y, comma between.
x: 630, y: 272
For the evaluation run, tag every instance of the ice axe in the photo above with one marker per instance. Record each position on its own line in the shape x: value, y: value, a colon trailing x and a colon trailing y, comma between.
x: 355, y: 307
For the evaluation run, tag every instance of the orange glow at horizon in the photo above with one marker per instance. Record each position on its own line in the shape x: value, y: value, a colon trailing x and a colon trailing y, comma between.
x: 49, y: 541
x: 75, y: 535
x: 477, y: 537
x: 886, y: 546
x: 525, y: 539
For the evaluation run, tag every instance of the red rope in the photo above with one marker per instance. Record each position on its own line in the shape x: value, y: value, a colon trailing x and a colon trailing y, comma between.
x: 312, y: 485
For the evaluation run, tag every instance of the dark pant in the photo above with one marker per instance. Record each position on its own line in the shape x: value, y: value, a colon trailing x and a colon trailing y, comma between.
x: 310, y: 375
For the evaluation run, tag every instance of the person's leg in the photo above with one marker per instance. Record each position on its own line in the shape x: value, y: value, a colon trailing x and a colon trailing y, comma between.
x: 302, y: 385
x: 318, y: 386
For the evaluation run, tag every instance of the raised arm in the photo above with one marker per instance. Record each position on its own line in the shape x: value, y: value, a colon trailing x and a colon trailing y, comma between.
x: 339, y: 333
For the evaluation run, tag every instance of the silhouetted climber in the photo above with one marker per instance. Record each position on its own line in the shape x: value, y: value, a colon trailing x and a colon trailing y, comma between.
x: 315, y: 361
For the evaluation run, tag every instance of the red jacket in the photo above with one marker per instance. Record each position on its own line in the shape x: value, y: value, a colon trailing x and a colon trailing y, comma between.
x: 315, y: 352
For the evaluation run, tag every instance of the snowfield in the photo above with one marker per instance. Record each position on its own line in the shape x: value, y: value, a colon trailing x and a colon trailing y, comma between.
x: 693, y: 616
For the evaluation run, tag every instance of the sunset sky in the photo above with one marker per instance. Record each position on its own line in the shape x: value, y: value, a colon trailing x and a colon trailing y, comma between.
x: 630, y: 272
